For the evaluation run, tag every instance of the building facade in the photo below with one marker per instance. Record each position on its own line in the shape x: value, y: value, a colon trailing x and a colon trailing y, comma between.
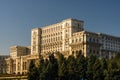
x: 3, y: 65
x: 67, y: 37
x: 17, y: 63
x: 54, y: 37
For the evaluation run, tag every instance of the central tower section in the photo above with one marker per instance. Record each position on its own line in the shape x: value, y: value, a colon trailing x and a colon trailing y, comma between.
x: 55, y: 37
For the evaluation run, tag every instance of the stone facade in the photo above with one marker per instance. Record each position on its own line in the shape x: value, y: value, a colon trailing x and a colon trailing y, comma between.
x: 67, y: 37
x: 17, y: 63
x: 3, y: 65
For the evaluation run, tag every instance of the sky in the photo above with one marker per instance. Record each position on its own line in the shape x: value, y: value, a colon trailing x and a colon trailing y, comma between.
x: 18, y: 17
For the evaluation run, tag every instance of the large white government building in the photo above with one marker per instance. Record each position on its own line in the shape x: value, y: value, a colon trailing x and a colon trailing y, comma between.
x: 67, y: 37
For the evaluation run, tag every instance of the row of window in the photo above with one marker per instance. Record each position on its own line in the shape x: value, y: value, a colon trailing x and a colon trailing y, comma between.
x: 51, y: 40
x: 77, y: 47
x: 24, y: 66
x: 111, y: 48
x: 58, y: 49
x: 52, y: 29
x: 57, y: 28
x: 51, y: 50
x: 77, y: 40
x: 96, y: 40
x: 89, y: 39
x: 2, y: 58
x: 52, y: 47
x: 52, y: 35
x: 109, y: 39
x: 111, y: 43
x: 77, y: 34
x: 92, y: 51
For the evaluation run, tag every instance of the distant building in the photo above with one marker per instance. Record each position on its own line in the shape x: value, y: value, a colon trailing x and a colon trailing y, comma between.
x: 68, y: 37
x: 3, y: 65
x: 17, y: 63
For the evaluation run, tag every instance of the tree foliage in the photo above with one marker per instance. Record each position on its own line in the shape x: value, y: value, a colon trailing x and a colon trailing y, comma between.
x: 33, y: 73
x: 75, y: 68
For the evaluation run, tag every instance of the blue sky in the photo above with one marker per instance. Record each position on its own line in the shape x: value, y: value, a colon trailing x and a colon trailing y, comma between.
x: 18, y: 17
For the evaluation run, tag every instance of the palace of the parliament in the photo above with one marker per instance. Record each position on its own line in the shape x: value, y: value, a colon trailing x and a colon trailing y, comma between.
x: 67, y: 37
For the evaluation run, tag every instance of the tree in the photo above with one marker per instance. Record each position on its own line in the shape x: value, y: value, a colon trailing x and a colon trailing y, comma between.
x: 97, y: 75
x: 80, y: 66
x: 75, y: 68
x: 54, y: 66
x: 51, y: 69
x: 44, y: 72
x: 71, y: 68
x: 117, y: 59
x: 41, y: 68
x: 62, y: 70
x: 90, y: 62
x: 104, y: 68
x: 33, y: 73
x: 113, y: 71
